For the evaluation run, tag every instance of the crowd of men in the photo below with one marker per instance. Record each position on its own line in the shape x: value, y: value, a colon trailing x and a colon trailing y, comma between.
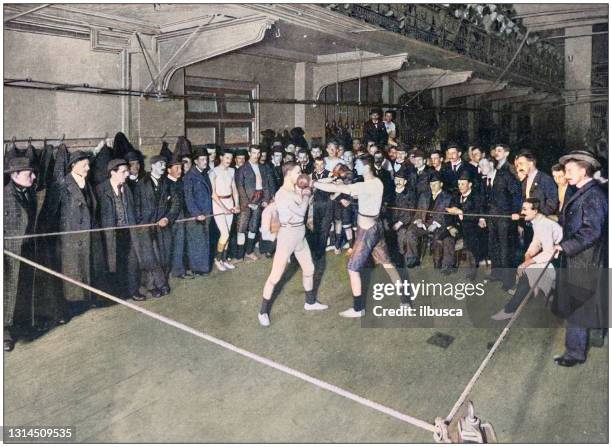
x: 206, y: 207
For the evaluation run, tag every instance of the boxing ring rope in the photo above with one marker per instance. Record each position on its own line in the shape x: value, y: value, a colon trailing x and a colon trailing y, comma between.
x: 96, y: 230
x: 263, y: 360
x: 207, y: 216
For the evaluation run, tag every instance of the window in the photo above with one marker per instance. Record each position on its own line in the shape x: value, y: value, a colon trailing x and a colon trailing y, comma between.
x: 219, y: 112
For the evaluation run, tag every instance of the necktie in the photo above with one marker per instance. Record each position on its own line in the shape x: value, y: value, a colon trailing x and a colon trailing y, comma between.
x: 489, y: 182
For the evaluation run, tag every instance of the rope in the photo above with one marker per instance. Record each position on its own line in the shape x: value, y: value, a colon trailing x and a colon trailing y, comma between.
x: 505, y: 216
x: 500, y: 338
x: 263, y: 360
x: 95, y: 230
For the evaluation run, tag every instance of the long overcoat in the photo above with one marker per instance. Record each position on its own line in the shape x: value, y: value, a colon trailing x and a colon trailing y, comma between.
x: 582, y: 290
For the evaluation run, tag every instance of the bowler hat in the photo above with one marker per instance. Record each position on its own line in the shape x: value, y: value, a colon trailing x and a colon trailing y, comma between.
x: 132, y: 156
x: 435, y: 177
x: 199, y: 152
x: 115, y: 163
x: 77, y: 156
x: 17, y: 164
x: 465, y: 175
x: 581, y: 155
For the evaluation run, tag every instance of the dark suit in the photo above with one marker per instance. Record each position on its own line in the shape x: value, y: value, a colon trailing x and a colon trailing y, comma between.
x: 153, y: 203
x: 442, y: 243
x: 468, y: 227
x: 583, y: 289
x: 544, y: 189
x: 388, y: 184
x: 450, y: 175
x: 503, y: 197
x: 375, y: 132
x: 198, y: 201
x: 180, y: 248
x: 249, y: 219
x: 405, y: 199
x: 120, y: 245
x: 19, y: 220
x: 323, y: 213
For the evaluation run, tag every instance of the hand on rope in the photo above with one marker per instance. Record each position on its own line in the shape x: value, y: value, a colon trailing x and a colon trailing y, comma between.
x: 127, y: 227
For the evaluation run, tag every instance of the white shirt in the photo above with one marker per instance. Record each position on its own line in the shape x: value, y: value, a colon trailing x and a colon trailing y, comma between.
x: 530, y: 179
x: 258, y: 182
x: 221, y: 180
x: 390, y: 128
x: 331, y: 163
x: 546, y: 234
x: 291, y: 206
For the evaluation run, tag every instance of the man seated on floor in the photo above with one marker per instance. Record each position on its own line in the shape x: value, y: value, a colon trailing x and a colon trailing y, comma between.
x: 546, y: 234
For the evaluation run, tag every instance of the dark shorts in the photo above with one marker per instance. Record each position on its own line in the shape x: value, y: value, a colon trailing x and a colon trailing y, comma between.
x: 369, y: 242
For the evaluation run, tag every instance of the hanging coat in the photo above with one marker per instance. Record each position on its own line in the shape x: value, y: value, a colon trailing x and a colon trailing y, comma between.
x: 60, y: 167
x: 99, y: 171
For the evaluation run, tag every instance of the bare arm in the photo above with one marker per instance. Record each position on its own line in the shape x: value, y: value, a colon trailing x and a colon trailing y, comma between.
x: 332, y: 187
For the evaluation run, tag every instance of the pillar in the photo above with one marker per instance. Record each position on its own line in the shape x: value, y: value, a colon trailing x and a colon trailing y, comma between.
x: 577, y: 82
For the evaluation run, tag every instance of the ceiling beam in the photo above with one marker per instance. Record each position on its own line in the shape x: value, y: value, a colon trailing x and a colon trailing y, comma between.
x: 24, y: 13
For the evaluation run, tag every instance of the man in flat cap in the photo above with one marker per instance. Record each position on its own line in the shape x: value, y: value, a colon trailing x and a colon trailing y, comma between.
x: 115, y: 209
x: 583, y: 289
x: 198, y: 204
x: 70, y: 205
x: 19, y: 220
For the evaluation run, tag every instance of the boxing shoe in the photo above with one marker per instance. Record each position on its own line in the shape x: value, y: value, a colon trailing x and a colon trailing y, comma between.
x: 315, y: 306
x: 264, y: 319
x: 228, y: 266
x: 220, y: 265
x: 352, y: 313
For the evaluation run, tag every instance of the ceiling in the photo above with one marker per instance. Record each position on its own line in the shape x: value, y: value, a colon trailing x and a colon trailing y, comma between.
x: 553, y: 16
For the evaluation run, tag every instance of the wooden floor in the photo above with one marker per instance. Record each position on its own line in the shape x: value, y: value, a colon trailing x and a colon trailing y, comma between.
x: 119, y: 376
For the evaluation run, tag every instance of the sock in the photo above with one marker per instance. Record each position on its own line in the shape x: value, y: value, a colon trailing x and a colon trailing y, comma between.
x: 265, y: 306
x: 220, y: 255
x: 339, y: 241
x: 311, y: 297
x: 250, y: 246
x: 357, y: 303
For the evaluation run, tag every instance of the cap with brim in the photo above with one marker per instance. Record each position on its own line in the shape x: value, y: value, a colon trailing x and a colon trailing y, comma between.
x: 465, y: 175
x: 77, y: 156
x: 402, y: 173
x: 157, y: 159
x: 435, y: 177
x: 132, y: 156
x: 417, y: 153
x: 115, y: 163
x: 200, y: 152
x: 581, y: 155
x: 18, y: 164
